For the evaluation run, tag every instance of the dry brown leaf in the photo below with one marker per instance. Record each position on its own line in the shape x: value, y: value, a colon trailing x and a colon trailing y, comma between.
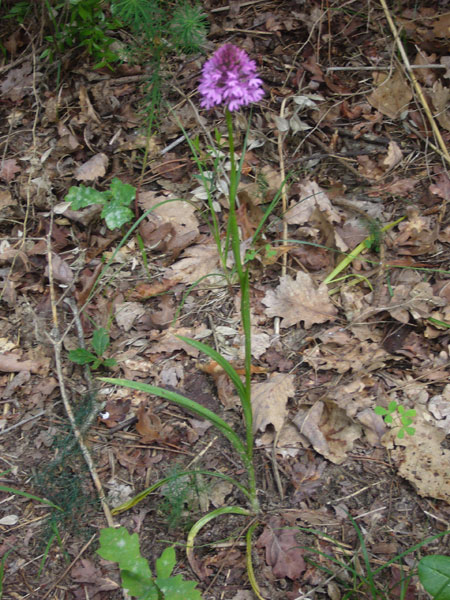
x: 440, y: 97
x: 439, y: 407
x: 394, y: 155
x: 441, y: 26
x: 392, y: 95
x: 441, y: 187
x: 19, y: 82
x: 92, y: 169
x: 357, y: 356
x: 169, y: 343
x: 11, y: 363
x: 196, y: 262
x: 422, y: 460
x: 127, y: 312
x: 419, y: 301
x: 312, y: 197
x: 425, y: 76
x: 298, y: 300
x: 269, y: 400
x: 60, y: 269
x: 150, y: 427
x: 282, y: 550
x: 178, y: 217
x: 328, y: 429
x: 8, y: 169
x: 445, y: 61
x: 6, y: 199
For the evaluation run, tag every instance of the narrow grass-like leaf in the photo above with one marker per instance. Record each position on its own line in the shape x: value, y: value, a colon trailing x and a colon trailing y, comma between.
x: 224, y: 510
x: 356, y: 252
x: 186, y: 403
x: 10, y: 490
x: 220, y: 360
x: 249, y: 562
x: 2, y: 569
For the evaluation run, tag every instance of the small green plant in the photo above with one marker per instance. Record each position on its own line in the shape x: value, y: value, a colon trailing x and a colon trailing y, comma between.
x: 182, y: 495
x: 100, y: 342
x: 19, y: 11
x: 434, y: 575
x: 116, y: 201
x: 396, y: 414
x: 188, y: 27
x: 80, y: 23
x: 117, y: 545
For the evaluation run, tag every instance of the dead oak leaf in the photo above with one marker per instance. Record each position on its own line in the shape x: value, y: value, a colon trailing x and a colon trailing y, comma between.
x: 311, y: 198
x: 92, y: 169
x: 282, y: 550
x: 422, y: 460
x: 298, y: 300
x: 174, y: 217
x: 269, y: 400
x: 8, y: 169
x: 328, y: 429
x: 196, y: 262
x: 392, y: 95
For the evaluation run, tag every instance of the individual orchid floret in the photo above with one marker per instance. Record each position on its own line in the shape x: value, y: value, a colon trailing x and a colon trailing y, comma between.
x: 229, y: 77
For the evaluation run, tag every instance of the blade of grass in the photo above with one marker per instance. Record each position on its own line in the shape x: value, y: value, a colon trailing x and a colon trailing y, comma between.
x: 220, y: 360
x: 356, y: 252
x: 188, y: 404
x: 10, y: 490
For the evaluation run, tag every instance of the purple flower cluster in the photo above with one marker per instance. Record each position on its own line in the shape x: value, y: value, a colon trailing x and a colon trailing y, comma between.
x: 229, y: 77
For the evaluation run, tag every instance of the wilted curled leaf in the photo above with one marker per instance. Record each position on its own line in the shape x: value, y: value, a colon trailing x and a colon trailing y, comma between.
x: 298, y: 300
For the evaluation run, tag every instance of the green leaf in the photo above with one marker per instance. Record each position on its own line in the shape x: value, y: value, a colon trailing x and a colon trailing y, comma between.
x: 81, y: 356
x: 379, y: 410
x: 100, y: 341
x: 392, y: 406
x: 116, y: 215
x: 82, y: 196
x: 434, y: 575
x: 411, y: 412
x: 119, y: 546
x: 410, y: 430
x: 166, y: 562
x: 401, y: 434
x: 388, y: 419
x: 186, y: 403
x: 109, y: 362
x: 141, y: 587
x: 123, y: 193
x: 175, y: 588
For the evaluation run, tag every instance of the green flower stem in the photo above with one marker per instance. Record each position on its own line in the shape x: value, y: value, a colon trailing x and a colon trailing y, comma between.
x: 245, y: 311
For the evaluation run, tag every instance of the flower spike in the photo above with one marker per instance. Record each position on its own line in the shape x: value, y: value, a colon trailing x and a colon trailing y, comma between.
x: 229, y: 77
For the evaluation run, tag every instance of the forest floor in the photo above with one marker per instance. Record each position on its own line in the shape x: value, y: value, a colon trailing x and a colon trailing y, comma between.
x: 362, y: 146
